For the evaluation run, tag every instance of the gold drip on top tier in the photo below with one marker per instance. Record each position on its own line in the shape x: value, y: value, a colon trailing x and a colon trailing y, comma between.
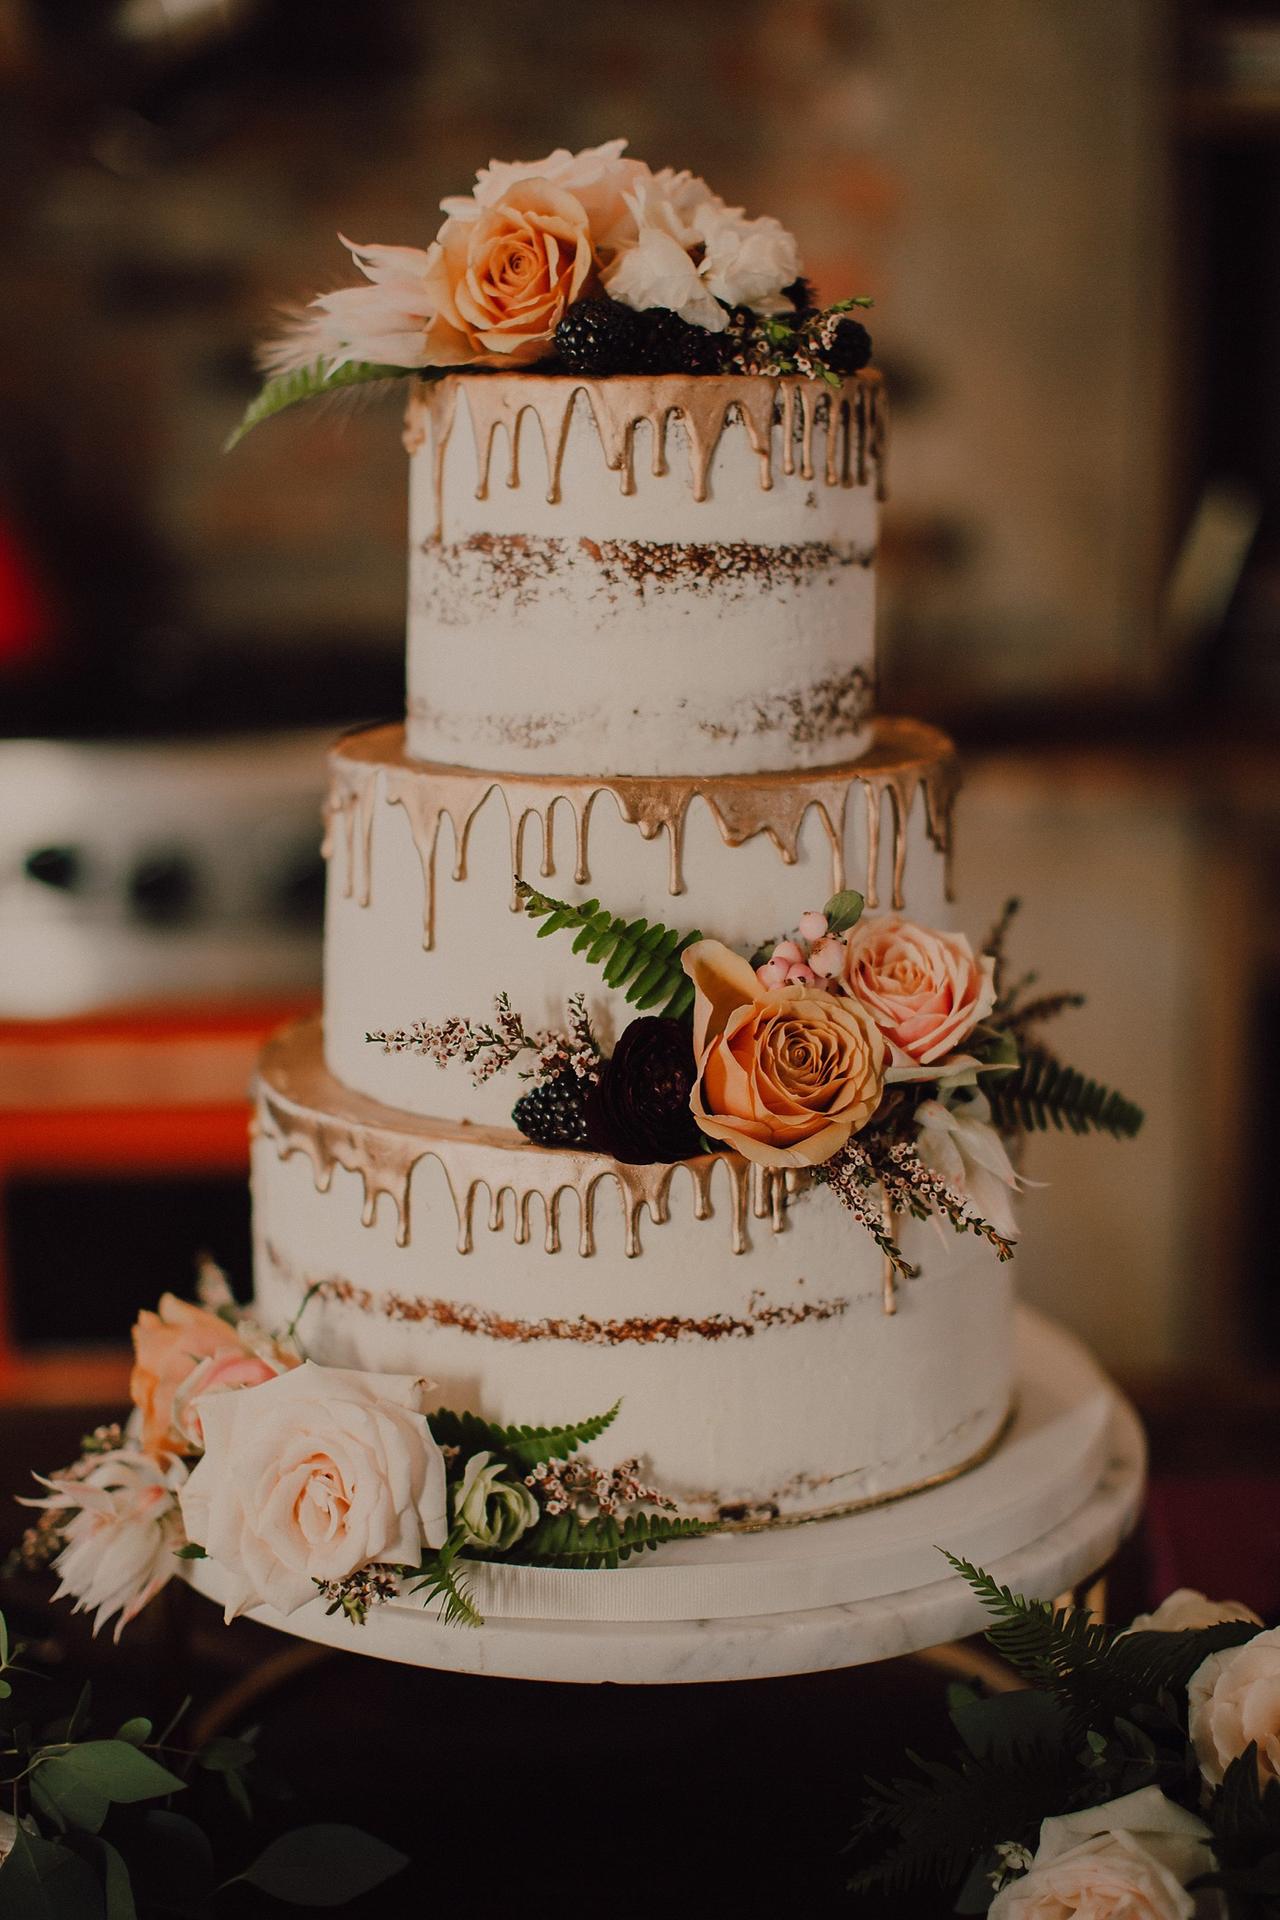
x: 851, y: 416
x: 907, y: 759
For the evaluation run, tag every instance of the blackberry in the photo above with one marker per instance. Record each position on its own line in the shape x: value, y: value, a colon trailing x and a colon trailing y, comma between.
x: 554, y: 1113
x: 669, y: 344
x: 598, y: 337
x: 850, y: 347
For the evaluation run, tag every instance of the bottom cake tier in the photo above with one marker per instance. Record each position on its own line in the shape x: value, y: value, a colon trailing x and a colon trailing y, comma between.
x: 766, y: 1370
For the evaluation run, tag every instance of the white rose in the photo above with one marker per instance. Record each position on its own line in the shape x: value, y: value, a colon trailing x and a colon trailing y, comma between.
x: 1128, y: 1860
x: 747, y: 262
x: 122, y: 1531
x: 1185, y: 1610
x: 311, y: 1476
x: 960, y: 1145
x: 1234, y: 1698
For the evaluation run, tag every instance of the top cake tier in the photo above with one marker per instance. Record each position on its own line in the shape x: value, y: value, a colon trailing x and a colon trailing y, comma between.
x: 647, y: 575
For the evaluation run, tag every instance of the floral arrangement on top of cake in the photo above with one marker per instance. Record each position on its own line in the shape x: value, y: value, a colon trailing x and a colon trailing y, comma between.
x: 589, y: 263
x: 1131, y: 1773
x: 885, y: 1059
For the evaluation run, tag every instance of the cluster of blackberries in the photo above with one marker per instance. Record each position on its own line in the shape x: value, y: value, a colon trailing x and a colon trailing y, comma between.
x: 602, y: 336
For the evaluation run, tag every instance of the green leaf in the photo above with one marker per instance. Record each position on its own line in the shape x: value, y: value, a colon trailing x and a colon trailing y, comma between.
x: 1042, y: 1092
x: 75, y: 1788
x: 324, y: 1865
x: 999, y: 1725
x: 173, y: 1865
x: 563, y: 1540
x: 117, y: 1889
x: 525, y: 1446
x: 4, y: 1641
x: 224, y: 1755
x: 137, y: 1732
x: 641, y: 958
x: 43, y: 1880
x: 843, y: 910
x: 309, y: 383
x: 190, y: 1552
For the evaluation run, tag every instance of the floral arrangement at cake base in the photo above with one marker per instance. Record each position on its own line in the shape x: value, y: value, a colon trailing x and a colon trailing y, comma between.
x: 301, y: 1481
x: 104, y: 1822
x: 884, y: 1060
x: 1133, y: 1775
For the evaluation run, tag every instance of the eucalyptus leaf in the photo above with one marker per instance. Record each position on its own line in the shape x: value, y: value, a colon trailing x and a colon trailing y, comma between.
x: 117, y: 1888
x: 324, y: 1865
x: 844, y: 910
x: 76, y: 1787
x: 190, y: 1552
x: 137, y: 1731
x: 224, y: 1755
x: 173, y: 1870
x: 43, y: 1880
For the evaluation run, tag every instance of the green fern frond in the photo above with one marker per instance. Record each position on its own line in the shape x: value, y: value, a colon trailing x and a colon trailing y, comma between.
x: 1041, y: 1092
x: 308, y: 383
x: 1096, y: 1671
x: 441, y: 1581
x: 641, y: 959
x: 527, y: 1446
x: 563, y: 1540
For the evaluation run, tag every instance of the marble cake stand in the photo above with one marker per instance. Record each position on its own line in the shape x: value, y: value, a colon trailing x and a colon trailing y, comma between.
x: 1044, y: 1512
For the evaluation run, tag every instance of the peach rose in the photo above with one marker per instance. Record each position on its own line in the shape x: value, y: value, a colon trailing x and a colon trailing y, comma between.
x: 924, y: 990
x: 1234, y: 1698
x: 182, y: 1351
x: 785, y: 1075
x: 499, y: 282
x: 1186, y: 1609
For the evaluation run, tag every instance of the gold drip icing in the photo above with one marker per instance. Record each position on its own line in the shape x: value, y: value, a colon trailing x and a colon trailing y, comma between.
x: 852, y: 420
x: 906, y: 759
x: 304, y: 1110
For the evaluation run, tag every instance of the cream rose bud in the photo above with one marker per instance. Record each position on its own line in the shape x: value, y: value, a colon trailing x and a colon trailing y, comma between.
x: 1185, y: 1610
x: 1130, y: 1859
x: 1234, y: 1699
x: 925, y: 990
x: 493, y: 1508
x: 312, y: 1476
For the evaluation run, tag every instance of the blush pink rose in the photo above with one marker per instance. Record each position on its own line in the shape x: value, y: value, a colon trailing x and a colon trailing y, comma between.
x: 925, y: 991
x: 1234, y: 1699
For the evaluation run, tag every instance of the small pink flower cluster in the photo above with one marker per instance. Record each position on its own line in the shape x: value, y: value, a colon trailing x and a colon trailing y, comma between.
x: 816, y: 957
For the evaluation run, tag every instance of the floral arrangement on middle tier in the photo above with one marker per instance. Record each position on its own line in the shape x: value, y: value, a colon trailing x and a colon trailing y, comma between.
x: 882, y: 1059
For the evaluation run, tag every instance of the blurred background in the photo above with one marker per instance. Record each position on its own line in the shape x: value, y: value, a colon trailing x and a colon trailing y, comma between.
x: 1069, y: 217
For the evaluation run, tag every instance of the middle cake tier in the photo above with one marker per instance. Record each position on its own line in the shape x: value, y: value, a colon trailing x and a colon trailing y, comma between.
x: 423, y: 921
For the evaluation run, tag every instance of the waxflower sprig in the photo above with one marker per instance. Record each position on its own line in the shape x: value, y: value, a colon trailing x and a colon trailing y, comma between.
x: 1135, y: 1770
x: 592, y: 262
x: 228, y: 1419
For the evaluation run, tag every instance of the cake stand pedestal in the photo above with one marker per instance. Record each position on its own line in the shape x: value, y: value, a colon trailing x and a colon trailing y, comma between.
x: 1044, y: 1513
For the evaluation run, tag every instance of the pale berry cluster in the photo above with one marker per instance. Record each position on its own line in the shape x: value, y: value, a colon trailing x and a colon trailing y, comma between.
x: 815, y: 958
x: 576, y: 1486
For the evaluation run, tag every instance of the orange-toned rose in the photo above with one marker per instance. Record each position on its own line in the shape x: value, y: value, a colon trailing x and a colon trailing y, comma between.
x: 173, y: 1346
x: 925, y: 991
x: 500, y: 282
x: 785, y: 1075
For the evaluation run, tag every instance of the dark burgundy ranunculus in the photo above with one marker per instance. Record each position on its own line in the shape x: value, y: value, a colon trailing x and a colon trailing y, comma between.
x: 639, y: 1109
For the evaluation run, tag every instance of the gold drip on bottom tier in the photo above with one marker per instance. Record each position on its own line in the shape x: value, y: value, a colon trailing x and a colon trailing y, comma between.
x: 907, y: 759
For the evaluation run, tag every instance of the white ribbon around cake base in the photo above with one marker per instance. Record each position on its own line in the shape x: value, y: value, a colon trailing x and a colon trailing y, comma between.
x: 1048, y: 1508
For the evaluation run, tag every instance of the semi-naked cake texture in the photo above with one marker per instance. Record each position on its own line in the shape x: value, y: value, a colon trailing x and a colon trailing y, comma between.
x: 641, y: 668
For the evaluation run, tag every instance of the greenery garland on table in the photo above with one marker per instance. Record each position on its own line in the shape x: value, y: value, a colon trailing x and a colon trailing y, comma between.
x: 100, y: 1825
